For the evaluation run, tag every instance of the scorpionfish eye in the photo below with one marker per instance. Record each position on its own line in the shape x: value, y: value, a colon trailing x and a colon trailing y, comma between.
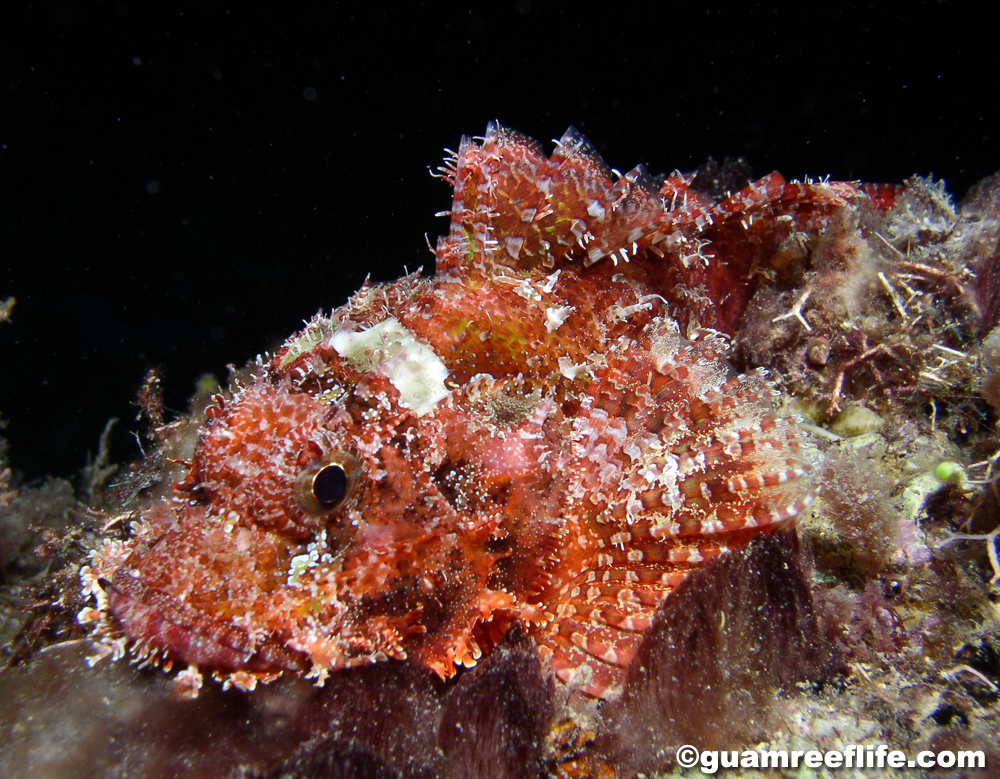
x: 326, y: 484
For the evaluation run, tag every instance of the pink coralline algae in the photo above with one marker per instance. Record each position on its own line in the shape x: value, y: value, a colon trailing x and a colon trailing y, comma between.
x: 545, y: 433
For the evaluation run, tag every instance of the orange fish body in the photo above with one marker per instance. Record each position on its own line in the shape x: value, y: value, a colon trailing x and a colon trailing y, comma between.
x: 526, y: 437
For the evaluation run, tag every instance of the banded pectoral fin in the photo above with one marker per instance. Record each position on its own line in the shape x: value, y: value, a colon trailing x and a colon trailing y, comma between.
x: 600, y: 618
x: 643, y: 544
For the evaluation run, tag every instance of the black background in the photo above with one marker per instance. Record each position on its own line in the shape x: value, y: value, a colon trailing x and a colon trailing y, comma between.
x: 183, y: 188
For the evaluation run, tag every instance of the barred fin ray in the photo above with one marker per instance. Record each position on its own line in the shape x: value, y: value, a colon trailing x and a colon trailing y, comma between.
x: 578, y: 655
x: 574, y: 666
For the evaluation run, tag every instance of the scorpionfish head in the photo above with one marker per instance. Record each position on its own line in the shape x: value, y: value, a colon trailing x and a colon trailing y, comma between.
x: 347, y: 506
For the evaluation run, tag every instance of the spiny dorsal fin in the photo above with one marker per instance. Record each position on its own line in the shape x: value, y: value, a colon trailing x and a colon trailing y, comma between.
x: 513, y: 207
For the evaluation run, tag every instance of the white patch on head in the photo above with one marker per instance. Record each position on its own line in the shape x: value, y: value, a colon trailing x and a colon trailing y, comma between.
x: 412, y: 366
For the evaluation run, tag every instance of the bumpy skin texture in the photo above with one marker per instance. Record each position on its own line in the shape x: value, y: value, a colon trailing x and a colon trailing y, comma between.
x: 525, y: 437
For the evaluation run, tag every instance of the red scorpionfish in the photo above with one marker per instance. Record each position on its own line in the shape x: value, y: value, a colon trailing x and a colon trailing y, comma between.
x: 529, y: 436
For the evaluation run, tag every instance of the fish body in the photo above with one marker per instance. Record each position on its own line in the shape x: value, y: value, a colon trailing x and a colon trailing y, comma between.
x: 528, y: 436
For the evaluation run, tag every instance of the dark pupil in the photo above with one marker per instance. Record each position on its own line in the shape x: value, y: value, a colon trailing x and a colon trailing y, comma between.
x: 330, y: 485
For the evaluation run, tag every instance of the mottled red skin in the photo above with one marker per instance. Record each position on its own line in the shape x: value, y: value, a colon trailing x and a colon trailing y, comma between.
x: 581, y: 457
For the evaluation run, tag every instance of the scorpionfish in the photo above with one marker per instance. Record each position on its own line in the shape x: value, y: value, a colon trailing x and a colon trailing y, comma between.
x: 527, y: 437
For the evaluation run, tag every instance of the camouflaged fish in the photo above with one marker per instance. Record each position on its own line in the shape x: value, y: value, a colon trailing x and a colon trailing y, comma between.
x: 528, y: 436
